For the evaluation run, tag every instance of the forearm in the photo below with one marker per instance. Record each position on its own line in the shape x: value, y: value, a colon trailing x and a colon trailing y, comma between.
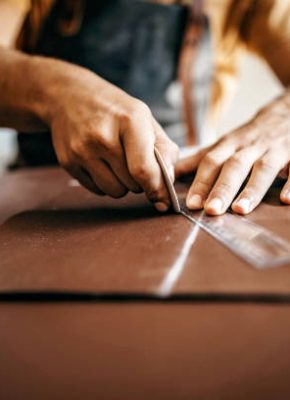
x: 20, y: 95
x: 32, y: 88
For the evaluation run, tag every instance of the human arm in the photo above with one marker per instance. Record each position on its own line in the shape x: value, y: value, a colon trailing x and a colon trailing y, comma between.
x: 262, y: 144
x: 102, y: 136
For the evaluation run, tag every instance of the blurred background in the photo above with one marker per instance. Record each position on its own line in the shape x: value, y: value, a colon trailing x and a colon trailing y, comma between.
x: 257, y: 86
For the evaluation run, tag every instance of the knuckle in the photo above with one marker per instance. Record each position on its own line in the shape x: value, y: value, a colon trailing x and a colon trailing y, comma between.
x: 137, y: 109
x: 201, y: 187
x: 141, y: 108
x: 237, y: 160
x: 106, y: 144
x: 211, y: 160
x: 226, y: 140
x: 224, y: 187
x: 100, y: 138
x: 141, y: 172
x: 77, y: 148
x: 265, y: 164
x: 250, y: 192
x: 99, y: 142
x: 223, y: 190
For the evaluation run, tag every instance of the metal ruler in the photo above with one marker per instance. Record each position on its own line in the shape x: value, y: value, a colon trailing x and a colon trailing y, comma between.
x: 255, y: 244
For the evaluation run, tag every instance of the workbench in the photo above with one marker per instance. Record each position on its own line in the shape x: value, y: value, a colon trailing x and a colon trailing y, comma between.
x: 104, y: 299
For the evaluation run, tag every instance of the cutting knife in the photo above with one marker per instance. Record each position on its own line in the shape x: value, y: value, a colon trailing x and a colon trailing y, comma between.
x: 169, y: 184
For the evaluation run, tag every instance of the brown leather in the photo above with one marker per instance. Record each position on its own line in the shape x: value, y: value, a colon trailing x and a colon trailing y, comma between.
x: 57, y: 237
x: 111, y: 351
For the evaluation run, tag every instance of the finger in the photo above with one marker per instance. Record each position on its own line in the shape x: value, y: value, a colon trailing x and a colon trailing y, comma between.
x: 121, y: 171
x: 168, y: 151
x: 189, y: 164
x: 232, y: 176
x: 105, y: 179
x: 85, y: 180
x: 109, y: 149
x: 285, y: 193
x: 138, y: 137
x: 207, y: 173
x: 283, y: 174
x: 118, y: 164
x: 263, y: 175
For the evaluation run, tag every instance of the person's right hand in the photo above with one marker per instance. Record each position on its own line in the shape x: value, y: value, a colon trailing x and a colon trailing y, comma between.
x: 105, y: 139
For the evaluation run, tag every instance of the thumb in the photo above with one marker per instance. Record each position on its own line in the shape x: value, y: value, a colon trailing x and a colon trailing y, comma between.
x: 167, y: 148
x: 188, y: 164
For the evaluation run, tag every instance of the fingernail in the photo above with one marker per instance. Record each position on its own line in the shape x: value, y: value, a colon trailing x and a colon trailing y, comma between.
x: 171, y: 173
x: 215, y: 206
x: 194, y: 201
x: 286, y: 195
x: 244, y: 204
x: 162, y: 207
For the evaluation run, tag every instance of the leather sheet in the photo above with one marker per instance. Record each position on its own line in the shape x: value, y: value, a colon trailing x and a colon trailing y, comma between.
x: 112, y: 351
x: 57, y: 238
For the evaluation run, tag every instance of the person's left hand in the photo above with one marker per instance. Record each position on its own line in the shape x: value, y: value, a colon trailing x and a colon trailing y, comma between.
x: 259, y: 150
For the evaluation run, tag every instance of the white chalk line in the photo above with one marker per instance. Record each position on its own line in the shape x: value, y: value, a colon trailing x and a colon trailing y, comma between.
x: 173, y: 275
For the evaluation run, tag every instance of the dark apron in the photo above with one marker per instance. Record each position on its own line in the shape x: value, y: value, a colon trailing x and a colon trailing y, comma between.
x: 134, y: 44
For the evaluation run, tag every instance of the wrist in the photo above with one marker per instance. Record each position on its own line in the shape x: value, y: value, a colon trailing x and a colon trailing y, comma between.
x: 53, y: 83
x: 47, y: 80
x: 280, y: 106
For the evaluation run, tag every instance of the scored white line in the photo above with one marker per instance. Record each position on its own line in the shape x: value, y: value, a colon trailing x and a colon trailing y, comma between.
x: 175, y: 271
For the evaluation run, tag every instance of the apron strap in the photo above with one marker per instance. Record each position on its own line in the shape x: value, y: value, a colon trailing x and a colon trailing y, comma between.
x: 193, y: 32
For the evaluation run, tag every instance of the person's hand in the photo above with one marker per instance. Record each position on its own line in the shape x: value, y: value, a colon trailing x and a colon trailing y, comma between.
x: 259, y: 150
x: 105, y: 139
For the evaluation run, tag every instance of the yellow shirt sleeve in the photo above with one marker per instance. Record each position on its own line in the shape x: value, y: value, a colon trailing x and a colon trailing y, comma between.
x: 21, y: 5
x: 260, y: 26
x: 227, y: 51
x: 12, y: 14
x: 266, y: 31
